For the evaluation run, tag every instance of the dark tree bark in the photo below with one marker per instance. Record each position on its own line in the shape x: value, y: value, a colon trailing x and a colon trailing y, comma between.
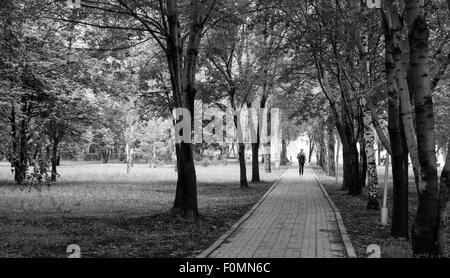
x: 383, y: 143
x: 362, y: 153
x: 398, y: 145
x: 267, y: 150
x: 23, y: 152
x: 255, y: 162
x: 186, y: 192
x: 54, y: 160
x: 322, y: 157
x: 321, y: 151
x: 379, y: 149
x: 363, y: 163
x: 47, y: 153
x: 345, y: 120
x: 351, y: 180
x: 255, y: 146
x: 182, y: 57
x: 344, y: 125
x: 105, y: 155
x: 331, y: 168
x: 426, y: 223
x: 242, y: 167
x: 400, y: 207
x: 241, y: 146
x: 311, y: 146
x: 14, y: 156
x: 283, y: 159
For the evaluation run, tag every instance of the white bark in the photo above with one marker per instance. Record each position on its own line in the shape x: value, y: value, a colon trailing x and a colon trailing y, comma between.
x: 369, y: 141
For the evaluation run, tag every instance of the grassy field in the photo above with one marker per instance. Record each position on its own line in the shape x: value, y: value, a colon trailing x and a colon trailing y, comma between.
x: 363, y: 226
x: 109, y: 213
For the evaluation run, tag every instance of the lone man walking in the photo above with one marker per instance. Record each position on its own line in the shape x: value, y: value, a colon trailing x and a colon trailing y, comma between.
x: 301, y: 161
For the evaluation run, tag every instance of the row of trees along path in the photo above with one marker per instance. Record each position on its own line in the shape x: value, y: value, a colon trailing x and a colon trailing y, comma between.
x: 340, y: 72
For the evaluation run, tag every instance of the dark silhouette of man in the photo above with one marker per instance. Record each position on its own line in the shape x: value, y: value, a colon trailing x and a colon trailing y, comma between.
x: 301, y: 161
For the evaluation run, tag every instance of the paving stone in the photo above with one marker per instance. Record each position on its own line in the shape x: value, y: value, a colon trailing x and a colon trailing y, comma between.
x: 294, y: 220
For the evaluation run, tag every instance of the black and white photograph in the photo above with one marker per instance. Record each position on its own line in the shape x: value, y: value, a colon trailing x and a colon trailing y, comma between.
x: 219, y: 136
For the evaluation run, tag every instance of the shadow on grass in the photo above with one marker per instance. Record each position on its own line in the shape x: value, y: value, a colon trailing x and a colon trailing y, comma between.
x: 109, y: 217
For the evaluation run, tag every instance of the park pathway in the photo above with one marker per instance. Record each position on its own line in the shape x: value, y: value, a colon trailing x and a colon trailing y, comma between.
x: 295, y: 219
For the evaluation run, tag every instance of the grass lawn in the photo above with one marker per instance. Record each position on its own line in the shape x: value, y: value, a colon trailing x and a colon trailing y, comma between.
x: 109, y: 213
x: 363, y: 226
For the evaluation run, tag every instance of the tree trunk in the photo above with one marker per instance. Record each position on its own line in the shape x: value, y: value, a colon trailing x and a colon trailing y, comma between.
x: 129, y: 158
x: 362, y: 161
x: 311, y: 148
x: 399, y: 226
x: 362, y: 148
x: 242, y: 167
x: 321, y: 148
x: 255, y: 163
x: 255, y: 146
x: 186, y: 192
x: 47, y: 153
x: 283, y: 159
x: 351, y: 176
x: 182, y: 65
x: 254, y: 130
x: 14, y: 158
x: 331, y: 166
x: 383, y: 141
x: 425, y: 227
x: 338, y: 149
x: 323, y: 156
x: 366, y: 136
x: 105, y: 155
x: 351, y: 179
x: 400, y: 211
x: 240, y: 138
x: 54, y: 160
x: 403, y: 92
x: 369, y: 146
x: 379, y: 153
x: 317, y: 154
x: 407, y: 119
x: 23, y: 152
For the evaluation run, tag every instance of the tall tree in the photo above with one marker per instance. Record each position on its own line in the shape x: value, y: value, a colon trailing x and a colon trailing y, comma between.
x: 400, y: 213
x: 178, y: 28
x: 369, y: 141
x: 325, y: 35
x: 425, y: 225
x: 69, y: 115
x: 226, y: 49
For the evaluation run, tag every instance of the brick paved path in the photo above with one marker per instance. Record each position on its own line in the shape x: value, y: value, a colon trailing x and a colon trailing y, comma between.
x: 294, y: 220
